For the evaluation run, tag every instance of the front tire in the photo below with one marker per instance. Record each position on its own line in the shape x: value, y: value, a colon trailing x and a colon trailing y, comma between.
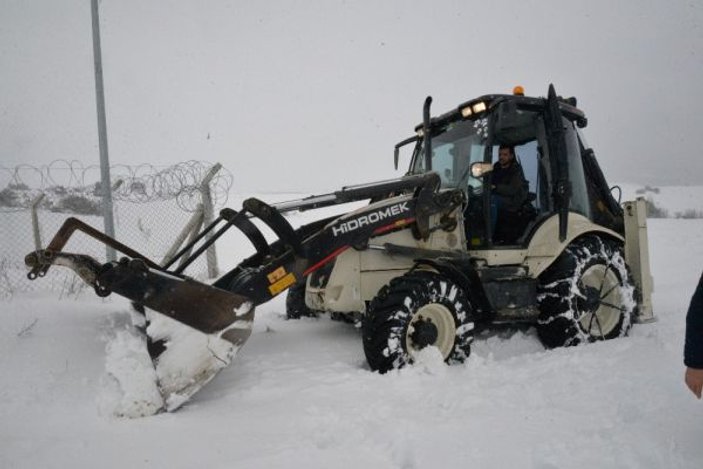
x: 417, y: 310
x: 586, y: 295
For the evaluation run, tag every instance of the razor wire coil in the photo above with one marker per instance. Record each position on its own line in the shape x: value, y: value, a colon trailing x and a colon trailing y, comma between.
x: 150, y: 204
x: 136, y: 184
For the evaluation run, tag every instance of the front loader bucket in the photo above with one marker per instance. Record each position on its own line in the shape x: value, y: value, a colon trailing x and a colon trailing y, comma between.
x: 205, y: 308
x: 193, y: 330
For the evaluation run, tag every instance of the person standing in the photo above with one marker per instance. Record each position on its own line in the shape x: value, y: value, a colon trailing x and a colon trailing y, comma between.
x: 693, y: 347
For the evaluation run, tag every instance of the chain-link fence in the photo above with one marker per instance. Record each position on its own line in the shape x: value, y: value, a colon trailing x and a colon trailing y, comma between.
x: 151, y: 206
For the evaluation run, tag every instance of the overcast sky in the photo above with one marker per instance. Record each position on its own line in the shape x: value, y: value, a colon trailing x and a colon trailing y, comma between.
x: 312, y: 95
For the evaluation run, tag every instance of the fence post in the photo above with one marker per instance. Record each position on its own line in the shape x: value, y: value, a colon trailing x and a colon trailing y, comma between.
x: 192, y: 228
x: 191, y: 238
x: 208, y: 216
x: 35, y: 221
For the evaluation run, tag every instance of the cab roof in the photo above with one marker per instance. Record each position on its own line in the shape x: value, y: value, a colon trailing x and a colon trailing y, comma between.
x: 491, y: 101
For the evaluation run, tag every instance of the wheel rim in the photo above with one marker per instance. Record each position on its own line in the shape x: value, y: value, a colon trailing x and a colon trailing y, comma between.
x: 600, y: 302
x: 431, y: 315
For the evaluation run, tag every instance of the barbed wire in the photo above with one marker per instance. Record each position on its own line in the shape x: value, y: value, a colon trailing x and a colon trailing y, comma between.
x: 138, y: 184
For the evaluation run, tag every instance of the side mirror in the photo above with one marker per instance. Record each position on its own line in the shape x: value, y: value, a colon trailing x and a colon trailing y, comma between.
x: 478, y: 170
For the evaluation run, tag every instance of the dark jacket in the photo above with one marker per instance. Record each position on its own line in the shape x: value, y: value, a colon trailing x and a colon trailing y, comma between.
x: 693, y: 349
x: 510, y: 185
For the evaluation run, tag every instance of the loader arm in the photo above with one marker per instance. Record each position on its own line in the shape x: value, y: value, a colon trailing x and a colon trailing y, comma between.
x: 298, y: 253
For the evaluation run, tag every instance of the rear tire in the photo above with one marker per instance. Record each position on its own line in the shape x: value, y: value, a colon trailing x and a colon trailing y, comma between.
x: 586, y: 295
x: 417, y: 310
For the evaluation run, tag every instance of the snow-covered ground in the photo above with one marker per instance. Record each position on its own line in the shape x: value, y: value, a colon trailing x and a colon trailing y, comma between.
x: 301, y: 395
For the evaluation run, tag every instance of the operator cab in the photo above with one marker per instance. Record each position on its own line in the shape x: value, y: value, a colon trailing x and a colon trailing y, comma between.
x: 472, y: 134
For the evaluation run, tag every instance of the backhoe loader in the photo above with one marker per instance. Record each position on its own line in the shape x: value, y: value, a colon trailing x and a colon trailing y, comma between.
x: 424, y: 263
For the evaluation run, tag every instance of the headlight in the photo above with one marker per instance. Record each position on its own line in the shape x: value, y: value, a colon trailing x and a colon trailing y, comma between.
x: 478, y: 107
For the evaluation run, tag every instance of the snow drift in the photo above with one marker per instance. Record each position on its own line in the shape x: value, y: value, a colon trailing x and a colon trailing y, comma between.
x: 300, y: 392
